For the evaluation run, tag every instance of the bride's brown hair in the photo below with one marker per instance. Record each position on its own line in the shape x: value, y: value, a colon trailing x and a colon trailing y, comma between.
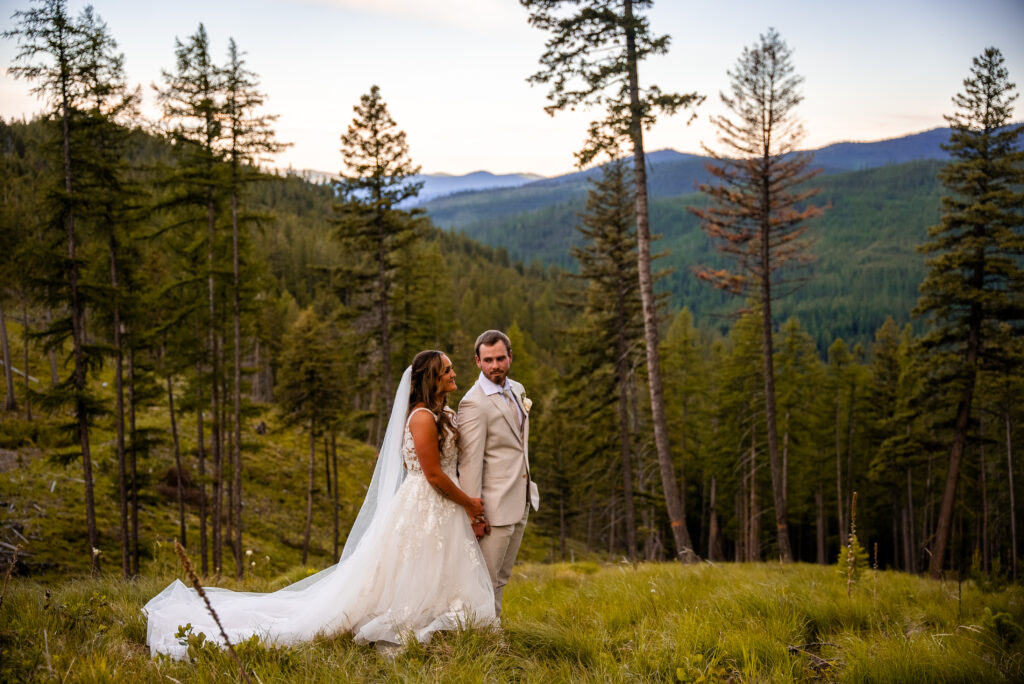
x: 426, y: 371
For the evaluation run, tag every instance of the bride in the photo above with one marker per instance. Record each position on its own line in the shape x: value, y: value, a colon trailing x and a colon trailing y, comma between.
x: 411, y: 564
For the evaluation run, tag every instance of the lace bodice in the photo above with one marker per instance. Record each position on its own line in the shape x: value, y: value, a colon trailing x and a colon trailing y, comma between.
x: 449, y: 450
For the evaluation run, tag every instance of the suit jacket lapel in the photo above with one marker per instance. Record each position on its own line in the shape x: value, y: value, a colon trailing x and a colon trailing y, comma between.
x: 509, y: 412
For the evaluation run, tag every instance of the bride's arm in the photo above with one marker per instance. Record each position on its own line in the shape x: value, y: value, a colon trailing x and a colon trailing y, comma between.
x: 424, y: 437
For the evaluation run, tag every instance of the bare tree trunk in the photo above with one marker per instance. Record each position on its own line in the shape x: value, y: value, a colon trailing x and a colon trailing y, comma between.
x: 714, y: 533
x: 24, y: 345
x: 590, y: 524
x: 986, y: 548
x: 383, y: 287
x: 819, y: 502
x: 309, y: 491
x: 1013, y: 505
x: 675, y: 508
x: 177, y: 461
x: 908, y: 540
x: 743, y: 521
x: 622, y: 376
x: 327, y: 465
x: 218, y: 456
x: 768, y: 358
x: 236, y: 451
x: 754, y: 527
x: 201, y: 455
x: 911, y: 542
x: 52, y: 354
x: 10, y: 402
x: 562, y: 531
x: 122, y: 485
x: 612, y: 523
x: 839, y: 465
x: 133, y: 462
x: 956, y: 451
x: 334, y: 469
x: 785, y: 462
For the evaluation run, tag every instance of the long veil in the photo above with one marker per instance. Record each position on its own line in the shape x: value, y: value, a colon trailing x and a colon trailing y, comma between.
x: 311, y: 605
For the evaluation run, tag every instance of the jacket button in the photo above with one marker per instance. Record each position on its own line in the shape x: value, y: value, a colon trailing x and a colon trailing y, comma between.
x: 524, y: 476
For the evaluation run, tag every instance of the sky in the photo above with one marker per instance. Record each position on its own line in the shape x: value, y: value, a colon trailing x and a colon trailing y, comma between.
x: 454, y: 73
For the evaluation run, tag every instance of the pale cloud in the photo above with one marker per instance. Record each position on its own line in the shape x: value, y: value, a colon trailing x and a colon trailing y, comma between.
x: 476, y: 14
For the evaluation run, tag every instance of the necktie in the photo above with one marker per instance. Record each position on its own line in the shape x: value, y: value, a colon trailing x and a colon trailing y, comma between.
x: 506, y: 392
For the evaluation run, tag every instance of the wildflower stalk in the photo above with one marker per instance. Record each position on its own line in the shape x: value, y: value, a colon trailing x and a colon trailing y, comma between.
x: 875, y: 589
x: 850, y: 560
x: 7, y: 575
x: 191, y: 572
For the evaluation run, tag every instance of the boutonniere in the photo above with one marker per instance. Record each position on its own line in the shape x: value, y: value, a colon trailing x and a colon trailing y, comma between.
x: 526, y: 402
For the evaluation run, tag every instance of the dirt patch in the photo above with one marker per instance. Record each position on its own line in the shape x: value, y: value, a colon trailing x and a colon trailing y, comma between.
x: 8, y: 460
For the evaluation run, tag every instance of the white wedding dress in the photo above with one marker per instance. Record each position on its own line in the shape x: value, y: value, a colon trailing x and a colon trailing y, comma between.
x: 411, y: 566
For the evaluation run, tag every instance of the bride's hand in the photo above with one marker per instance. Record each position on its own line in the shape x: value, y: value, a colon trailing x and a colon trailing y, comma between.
x: 475, y: 509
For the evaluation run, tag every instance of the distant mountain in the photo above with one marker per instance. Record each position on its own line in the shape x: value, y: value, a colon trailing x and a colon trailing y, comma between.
x: 853, y: 156
x: 440, y: 184
x: 670, y: 173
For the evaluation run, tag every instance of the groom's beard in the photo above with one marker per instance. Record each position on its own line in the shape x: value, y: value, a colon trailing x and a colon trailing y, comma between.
x: 497, y: 377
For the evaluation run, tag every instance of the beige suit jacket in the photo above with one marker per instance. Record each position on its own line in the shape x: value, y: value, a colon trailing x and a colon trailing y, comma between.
x: 494, y: 462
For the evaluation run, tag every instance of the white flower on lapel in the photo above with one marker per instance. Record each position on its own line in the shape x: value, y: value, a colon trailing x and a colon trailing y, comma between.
x: 526, y: 402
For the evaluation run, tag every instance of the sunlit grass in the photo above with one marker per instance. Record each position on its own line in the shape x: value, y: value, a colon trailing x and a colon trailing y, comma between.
x: 569, y: 623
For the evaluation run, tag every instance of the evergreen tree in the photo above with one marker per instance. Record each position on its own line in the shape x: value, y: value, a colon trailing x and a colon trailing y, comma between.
x: 975, y: 279
x: 112, y: 210
x: 372, y: 227
x: 687, y: 386
x: 755, y: 216
x: 191, y: 98
x: 310, y: 390
x: 51, y: 47
x: 740, y: 412
x: 593, y: 58
x: 248, y: 136
x: 801, y: 380
x: 611, y: 332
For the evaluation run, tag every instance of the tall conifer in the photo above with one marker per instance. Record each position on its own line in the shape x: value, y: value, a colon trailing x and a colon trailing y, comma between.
x: 378, y: 177
x: 191, y: 98
x: 758, y: 214
x: 592, y: 59
x: 249, y: 138
x: 613, y: 333
x: 975, y: 280
x: 51, y: 47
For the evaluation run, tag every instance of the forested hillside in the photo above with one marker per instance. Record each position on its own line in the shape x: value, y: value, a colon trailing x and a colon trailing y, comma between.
x: 866, y: 267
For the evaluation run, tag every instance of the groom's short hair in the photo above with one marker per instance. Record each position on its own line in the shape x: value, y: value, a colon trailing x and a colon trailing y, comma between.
x: 492, y: 337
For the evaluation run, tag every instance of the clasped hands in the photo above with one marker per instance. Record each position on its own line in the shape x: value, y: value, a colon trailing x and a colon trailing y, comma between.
x: 475, y: 511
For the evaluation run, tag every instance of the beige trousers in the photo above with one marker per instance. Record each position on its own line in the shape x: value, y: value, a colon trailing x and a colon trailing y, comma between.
x: 499, y: 549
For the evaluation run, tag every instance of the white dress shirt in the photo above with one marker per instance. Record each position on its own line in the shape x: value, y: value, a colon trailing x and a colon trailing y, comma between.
x: 490, y: 388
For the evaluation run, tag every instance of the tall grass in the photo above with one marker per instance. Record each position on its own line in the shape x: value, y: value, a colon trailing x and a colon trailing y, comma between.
x: 569, y: 623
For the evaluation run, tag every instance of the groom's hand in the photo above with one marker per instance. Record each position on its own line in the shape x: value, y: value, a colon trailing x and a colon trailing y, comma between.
x: 481, y: 528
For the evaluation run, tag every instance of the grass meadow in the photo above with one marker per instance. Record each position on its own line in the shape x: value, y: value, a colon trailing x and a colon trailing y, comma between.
x: 579, y: 622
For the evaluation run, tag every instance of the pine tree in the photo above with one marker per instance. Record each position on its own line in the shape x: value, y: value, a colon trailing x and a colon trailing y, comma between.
x: 374, y: 230
x: 191, y: 98
x: 757, y: 216
x: 975, y: 280
x: 612, y: 335
x: 801, y: 382
x: 50, y: 53
x: 593, y: 58
x: 687, y: 388
x: 310, y: 390
x: 249, y: 136
x: 112, y: 210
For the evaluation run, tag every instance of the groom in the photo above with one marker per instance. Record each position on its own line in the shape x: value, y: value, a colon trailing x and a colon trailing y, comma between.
x: 494, y: 464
